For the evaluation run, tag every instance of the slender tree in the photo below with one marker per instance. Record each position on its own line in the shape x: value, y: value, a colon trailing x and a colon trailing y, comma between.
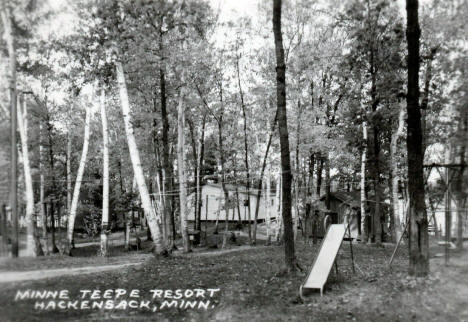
x: 397, y: 207
x: 6, y: 15
x: 79, y: 178
x: 181, y: 170
x: 33, y: 246
x: 290, y: 257
x: 154, y: 221
x: 260, y: 182
x: 42, y: 205
x: 105, y: 176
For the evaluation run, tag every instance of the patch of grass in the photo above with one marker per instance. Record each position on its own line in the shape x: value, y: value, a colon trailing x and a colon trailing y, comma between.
x: 252, y: 289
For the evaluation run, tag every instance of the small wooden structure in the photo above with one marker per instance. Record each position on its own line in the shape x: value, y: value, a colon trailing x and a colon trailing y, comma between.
x: 342, y: 206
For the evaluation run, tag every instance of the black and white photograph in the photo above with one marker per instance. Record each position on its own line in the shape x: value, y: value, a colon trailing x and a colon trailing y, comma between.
x: 234, y: 160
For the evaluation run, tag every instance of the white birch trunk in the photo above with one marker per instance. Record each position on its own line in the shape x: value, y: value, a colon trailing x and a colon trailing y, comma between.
x: 394, y: 160
x: 68, y: 165
x: 153, y: 220
x: 363, y: 183
x: 197, y: 183
x: 268, y: 204
x: 105, y: 178
x: 31, y: 249
x: 162, y: 204
x: 296, y: 208
x: 181, y: 170
x: 79, y: 177
x: 5, y: 14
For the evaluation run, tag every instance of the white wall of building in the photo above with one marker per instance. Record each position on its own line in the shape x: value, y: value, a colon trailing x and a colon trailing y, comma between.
x: 212, y: 195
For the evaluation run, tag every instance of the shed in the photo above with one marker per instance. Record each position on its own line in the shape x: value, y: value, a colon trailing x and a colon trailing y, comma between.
x: 345, y: 204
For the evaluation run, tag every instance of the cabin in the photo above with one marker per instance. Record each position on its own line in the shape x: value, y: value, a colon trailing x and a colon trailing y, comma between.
x: 345, y: 206
x: 213, y: 203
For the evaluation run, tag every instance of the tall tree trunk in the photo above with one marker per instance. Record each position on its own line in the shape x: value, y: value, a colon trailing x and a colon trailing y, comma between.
x: 268, y: 206
x: 128, y: 217
x: 200, y: 162
x: 297, y: 181
x: 52, y: 227
x: 200, y: 152
x: 262, y: 172
x: 246, y: 155
x: 419, y: 241
x: 220, y: 200
x: 53, y: 184
x: 79, y: 178
x: 105, y: 177
x: 181, y: 169
x: 459, y: 183
x: 310, y: 180
x: 396, y: 229
x: 239, y: 221
x: 448, y: 195
x: 195, y: 147
x: 327, y: 182
x: 59, y: 226
x: 318, y: 185
x: 153, y: 220
x: 376, y: 218
x: 309, y: 216
x: 159, y: 177
x: 5, y: 12
x: 167, y: 167
x: 296, y: 208
x: 197, y: 150
x: 161, y: 207
x: 290, y: 257
x: 42, y: 205
x: 364, y: 213
x: 279, y: 207
x: 68, y: 165
x: 33, y: 246
x: 222, y: 174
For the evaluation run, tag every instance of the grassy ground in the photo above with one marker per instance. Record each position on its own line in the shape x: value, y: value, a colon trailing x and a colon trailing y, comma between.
x: 252, y: 289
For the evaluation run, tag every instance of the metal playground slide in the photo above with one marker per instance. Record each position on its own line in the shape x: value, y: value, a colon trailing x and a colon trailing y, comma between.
x: 323, y: 263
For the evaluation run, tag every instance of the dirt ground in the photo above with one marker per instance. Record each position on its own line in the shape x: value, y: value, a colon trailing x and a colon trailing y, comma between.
x: 252, y: 288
